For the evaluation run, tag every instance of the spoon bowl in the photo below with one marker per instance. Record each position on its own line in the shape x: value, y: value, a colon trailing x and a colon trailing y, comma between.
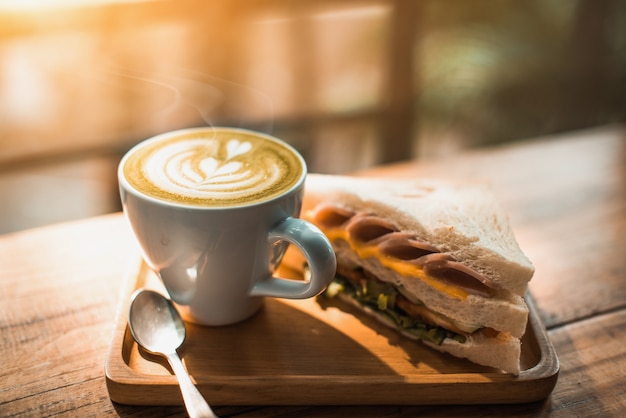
x: 157, y: 327
x: 155, y: 323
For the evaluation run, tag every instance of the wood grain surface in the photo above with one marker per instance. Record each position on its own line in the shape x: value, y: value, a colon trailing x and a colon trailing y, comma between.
x: 60, y: 287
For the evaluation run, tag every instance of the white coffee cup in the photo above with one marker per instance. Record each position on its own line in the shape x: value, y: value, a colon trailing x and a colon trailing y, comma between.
x: 213, y: 210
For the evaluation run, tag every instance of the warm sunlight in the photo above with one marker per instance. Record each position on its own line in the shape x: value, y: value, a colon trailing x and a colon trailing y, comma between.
x: 39, y: 5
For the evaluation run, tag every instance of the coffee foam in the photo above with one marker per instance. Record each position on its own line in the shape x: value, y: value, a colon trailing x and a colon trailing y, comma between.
x: 213, y: 168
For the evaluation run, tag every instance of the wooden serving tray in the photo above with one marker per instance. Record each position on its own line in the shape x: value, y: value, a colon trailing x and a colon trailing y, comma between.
x: 317, y: 352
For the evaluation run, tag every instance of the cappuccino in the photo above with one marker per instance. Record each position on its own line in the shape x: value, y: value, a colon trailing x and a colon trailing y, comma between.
x: 213, y: 167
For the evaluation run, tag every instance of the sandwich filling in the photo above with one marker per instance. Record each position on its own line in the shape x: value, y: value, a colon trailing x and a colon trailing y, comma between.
x: 371, y: 236
x: 391, y: 302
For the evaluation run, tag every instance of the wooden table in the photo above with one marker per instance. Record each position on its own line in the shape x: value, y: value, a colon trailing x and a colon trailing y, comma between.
x: 566, y: 196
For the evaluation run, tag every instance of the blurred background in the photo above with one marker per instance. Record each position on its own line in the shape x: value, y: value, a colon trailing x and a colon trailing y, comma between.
x: 350, y: 83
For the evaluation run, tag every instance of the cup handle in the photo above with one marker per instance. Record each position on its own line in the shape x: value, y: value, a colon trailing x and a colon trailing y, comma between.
x: 318, y: 252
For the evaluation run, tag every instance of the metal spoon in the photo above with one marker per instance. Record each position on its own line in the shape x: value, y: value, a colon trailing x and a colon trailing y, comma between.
x: 157, y: 326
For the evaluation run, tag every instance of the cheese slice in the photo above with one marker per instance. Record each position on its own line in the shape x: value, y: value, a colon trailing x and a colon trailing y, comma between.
x: 401, y: 267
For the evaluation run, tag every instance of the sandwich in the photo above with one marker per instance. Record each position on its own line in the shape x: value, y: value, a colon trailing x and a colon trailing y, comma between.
x: 435, y: 260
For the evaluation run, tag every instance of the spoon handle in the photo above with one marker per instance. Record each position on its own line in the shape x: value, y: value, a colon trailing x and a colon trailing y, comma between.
x: 197, y: 406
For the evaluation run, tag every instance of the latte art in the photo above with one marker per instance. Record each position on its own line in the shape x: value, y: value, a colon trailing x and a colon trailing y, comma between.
x: 180, y: 168
x: 213, y: 168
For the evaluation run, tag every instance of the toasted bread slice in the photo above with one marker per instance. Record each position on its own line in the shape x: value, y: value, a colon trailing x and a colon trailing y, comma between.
x: 461, y: 226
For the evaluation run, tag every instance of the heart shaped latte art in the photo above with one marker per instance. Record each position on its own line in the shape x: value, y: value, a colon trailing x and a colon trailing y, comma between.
x: 234, y: 147
x: 212, y: 169
x: 218, y: 167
